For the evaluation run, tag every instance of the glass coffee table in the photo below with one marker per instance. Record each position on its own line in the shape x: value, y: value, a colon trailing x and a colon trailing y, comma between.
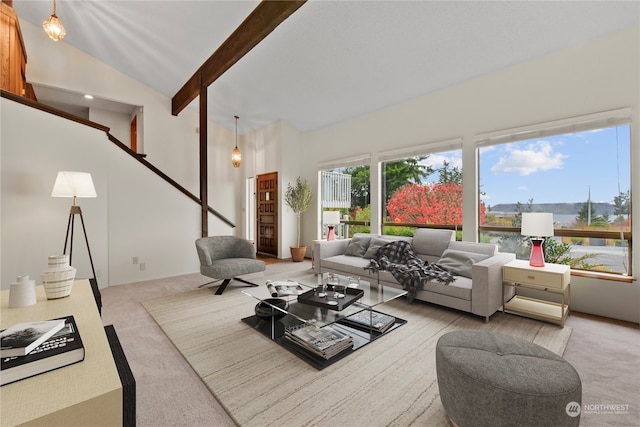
x: 350, y: 315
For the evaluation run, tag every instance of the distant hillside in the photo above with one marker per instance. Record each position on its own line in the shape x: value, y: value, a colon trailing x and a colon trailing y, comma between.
x: 557, y: 208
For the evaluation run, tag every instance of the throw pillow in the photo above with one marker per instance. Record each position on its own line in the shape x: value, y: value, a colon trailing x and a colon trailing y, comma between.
x: 460, y: 262
x: 376, y: 243
x: 358, y: 245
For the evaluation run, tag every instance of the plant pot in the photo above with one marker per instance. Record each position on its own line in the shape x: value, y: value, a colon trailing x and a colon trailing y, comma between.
x: 298, y: 252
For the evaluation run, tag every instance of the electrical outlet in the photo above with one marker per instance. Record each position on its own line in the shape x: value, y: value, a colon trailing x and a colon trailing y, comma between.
x: 143, y: 266
x: 135, y: 259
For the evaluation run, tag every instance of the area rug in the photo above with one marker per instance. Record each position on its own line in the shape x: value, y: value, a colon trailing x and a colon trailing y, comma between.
x: 390, y: 382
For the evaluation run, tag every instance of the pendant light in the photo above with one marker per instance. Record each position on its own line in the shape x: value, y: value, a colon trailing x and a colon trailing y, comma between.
x: 236, y: 156
x: 53, y: 26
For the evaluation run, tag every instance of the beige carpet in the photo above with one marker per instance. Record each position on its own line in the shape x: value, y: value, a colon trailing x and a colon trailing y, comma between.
x: 389, y: 382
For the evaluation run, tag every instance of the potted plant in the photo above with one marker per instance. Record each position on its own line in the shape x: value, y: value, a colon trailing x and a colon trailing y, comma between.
x: 298, y: 197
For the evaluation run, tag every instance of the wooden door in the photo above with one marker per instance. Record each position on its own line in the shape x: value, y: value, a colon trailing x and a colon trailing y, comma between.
x: 267, y: 213
x: 134, y: 134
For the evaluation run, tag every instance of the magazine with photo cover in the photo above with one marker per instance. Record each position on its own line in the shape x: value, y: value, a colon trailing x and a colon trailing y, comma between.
x: 370, y: 319
x: 21, y: 338
x: 62, y: 349
x: 284, y: 288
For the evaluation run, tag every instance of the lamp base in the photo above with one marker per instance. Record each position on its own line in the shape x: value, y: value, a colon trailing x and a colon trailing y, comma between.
x: 537, y: 254
x: 331, y: 234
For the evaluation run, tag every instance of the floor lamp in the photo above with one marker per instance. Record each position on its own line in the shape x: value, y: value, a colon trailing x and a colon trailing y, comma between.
x: 75, y: 184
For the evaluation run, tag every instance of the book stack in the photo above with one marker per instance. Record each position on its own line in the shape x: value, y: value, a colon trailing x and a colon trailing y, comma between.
x: 325, y: 342
x: 26, y: 353
x: 369, y: 319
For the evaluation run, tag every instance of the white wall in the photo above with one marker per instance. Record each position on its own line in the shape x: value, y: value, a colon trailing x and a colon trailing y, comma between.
x: 136, y: 213
x: 598, y: 76
x: 34, y: 223
x: 171, y: 143
x: 119, y: 124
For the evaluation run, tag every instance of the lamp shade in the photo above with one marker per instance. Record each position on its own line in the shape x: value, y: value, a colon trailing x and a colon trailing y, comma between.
x: 330, y: 217
x: 73, y: 184
x: 537, y: 224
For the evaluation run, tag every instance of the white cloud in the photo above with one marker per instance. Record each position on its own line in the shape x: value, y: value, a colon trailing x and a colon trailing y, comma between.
x: 537, y: 156
x: 522, y: 188
x: 437, y: 160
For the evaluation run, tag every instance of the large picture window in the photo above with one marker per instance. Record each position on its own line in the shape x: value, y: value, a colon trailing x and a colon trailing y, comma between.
x: 580, y: 171
x: 422, y: 189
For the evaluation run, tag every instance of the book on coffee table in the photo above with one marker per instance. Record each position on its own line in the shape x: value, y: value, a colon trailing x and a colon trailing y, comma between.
x: 370, y: 319
x: 325, y: 342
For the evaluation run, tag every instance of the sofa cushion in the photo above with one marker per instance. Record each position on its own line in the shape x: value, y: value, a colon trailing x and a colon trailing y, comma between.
x: 459, y: 288
x: 358, y: 245
x: 460, y: 262
x: 432, y: 242
x: 479, y: 248
x: 376, y: 243
x: 347, y: 265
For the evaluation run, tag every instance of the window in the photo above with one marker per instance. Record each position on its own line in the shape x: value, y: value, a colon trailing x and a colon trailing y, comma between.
x: 346, y: 188
x: 422, y: 188
x: 580, y: 171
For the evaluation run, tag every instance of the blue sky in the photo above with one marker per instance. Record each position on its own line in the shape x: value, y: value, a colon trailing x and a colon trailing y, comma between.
x: 554, y: 169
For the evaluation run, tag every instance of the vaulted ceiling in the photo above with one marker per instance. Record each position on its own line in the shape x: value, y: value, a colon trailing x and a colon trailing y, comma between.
x: 331, y: 60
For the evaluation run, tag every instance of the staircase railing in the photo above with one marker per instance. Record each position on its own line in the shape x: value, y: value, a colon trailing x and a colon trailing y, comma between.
x: 137, y: 156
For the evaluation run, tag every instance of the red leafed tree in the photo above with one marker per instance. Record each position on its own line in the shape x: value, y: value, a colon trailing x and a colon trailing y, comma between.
x: 433, y: 203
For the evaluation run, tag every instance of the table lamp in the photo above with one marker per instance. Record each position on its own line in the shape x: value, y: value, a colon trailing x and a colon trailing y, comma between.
x: 331, y: 219
x: 74, y: 184
x: 537, y: 226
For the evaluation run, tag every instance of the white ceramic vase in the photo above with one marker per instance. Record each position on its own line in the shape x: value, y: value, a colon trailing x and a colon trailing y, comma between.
x: 58, y: 278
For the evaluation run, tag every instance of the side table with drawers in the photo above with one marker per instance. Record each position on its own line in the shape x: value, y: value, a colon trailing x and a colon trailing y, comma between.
x: 552, y: 279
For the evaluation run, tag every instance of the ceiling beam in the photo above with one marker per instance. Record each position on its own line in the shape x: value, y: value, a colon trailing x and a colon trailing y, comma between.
x: 262, y: 21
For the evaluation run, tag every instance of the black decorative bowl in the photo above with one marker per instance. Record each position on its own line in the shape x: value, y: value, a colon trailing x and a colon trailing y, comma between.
x: 266, y: 311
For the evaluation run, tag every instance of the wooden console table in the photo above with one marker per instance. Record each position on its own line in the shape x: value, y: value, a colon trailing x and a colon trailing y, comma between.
x: 88, y: 393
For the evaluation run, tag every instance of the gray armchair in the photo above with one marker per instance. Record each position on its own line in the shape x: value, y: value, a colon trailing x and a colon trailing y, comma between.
x: 226, y: 257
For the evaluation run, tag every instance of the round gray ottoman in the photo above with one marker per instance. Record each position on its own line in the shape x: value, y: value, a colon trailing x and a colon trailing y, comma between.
x: 491, y: 379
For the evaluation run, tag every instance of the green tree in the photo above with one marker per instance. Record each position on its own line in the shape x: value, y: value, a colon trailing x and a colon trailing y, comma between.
x: 402, y: 172
x: 447, y: 175
x: 584, y: 218
x: 360, y: 185
x: 622, y: 204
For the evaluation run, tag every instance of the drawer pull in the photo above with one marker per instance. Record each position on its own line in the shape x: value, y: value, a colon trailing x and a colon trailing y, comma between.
x: 531, y: 277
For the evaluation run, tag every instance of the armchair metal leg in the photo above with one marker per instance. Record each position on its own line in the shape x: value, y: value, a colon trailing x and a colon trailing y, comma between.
x: 226, y: 282
x: 223, y: 286
x: 208, y: 283
x: 245, y: 281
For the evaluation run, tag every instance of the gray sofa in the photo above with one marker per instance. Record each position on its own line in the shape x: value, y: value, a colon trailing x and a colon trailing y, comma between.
x: 477, y: 287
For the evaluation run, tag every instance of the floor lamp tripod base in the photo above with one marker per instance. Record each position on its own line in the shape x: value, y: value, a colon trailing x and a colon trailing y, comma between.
x: 75, y: 210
